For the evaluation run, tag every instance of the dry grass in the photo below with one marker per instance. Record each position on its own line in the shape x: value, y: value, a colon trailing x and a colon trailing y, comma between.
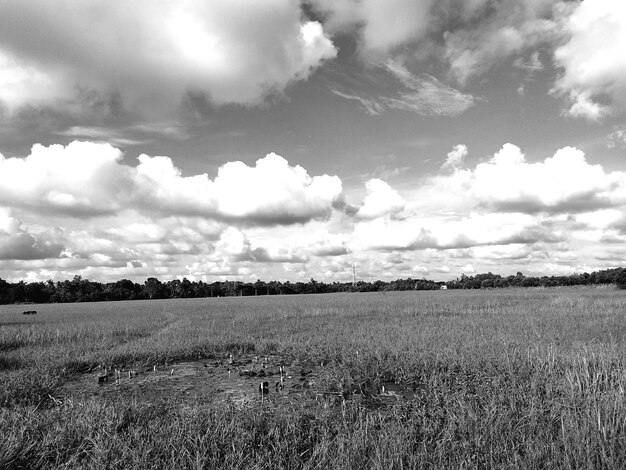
x: 503, y: 379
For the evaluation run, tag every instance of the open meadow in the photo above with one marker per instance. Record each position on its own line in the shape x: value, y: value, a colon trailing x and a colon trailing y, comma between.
x: 512, y: 378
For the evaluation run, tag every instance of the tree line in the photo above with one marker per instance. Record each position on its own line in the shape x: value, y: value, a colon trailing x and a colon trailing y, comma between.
x: 84, y: 290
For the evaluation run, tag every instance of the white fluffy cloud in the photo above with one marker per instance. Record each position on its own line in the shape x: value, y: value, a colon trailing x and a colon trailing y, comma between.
x: 563, y: 183
x: 383, y: 26
x: 88, y: 179
x: 503, y: 215
x: 380, y: 200
x: 80, y: 179
x: 593, y: 59
x: 506, y: 210
x: 415, y: 233
x: 456, y: 156
x: 236, y: 246
x: 151, y: 54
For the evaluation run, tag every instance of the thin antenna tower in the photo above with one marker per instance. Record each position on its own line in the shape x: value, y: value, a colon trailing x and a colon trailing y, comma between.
x: 353, y: 274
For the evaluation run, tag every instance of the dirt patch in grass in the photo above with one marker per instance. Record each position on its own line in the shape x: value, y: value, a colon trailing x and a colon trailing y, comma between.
x: 238, y: 380
x: 243, y: 381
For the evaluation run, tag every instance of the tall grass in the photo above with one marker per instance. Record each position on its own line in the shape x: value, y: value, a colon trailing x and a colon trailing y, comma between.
x: 502, y: 379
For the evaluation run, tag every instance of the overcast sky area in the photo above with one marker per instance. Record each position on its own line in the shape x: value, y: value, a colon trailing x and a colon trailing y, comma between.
x: 287, y: 140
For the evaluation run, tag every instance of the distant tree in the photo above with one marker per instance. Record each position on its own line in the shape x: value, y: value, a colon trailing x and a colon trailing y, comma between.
x: 155, y: 289
x: 620, y: 278
x: 5, y: 292
x: 260, y: 287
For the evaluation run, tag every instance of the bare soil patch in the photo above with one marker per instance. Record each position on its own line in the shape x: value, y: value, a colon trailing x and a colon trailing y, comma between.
x: 242, y: 381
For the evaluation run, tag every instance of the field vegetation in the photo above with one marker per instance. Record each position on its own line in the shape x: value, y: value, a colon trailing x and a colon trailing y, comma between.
x: 511, y: 378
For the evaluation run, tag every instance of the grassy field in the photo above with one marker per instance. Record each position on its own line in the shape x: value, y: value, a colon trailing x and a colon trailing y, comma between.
x: 501, y: 379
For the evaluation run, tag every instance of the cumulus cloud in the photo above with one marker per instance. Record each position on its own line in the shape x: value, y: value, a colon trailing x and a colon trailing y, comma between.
x: 87, y: 179
x: 414, y: 233
x: 81, y: 179
x: 274, y: 192
x: 380, y: 200
x: 503, y: 214
x: 564, y: 182
x: 593, y: 61
x: 381, y: 26
x: 16, y: 243
x: 455, y: 157
x: 152, y: 54
x: 271, y: 192
x: 236, y: 246
x: 505, y: 208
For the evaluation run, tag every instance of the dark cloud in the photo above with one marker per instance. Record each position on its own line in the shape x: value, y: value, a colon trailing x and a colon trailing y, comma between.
x: 24, y: 246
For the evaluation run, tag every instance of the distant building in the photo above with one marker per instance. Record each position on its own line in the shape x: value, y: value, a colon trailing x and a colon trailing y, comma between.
x: 444, y: 287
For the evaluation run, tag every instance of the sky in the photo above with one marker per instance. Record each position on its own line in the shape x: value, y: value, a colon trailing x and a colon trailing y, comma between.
x: 289, y: 140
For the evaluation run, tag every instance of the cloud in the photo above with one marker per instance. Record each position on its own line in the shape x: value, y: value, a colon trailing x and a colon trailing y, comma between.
x: 274, y: 192
x: 415, y: 233
x: 235, y: 245
x: 381, y: 27
x: 83, y: 179
x: 593, y: 61
x: 468, y: 269
x: 455, y: 157
x: 86, y: 179
x: 617, y: 138
x: 505, y: 208
x: 152, y: 54
x: 427, y: 95
x: 272, y: 220
x: 532, y: 65
x: 99, y: 135
x: 16, y: 243
x: 391, y: 86
x: 513, y: 251
x: 380, y: 200
x: 562, y: 183
x: 371, y: 105
x: 488, y: 33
